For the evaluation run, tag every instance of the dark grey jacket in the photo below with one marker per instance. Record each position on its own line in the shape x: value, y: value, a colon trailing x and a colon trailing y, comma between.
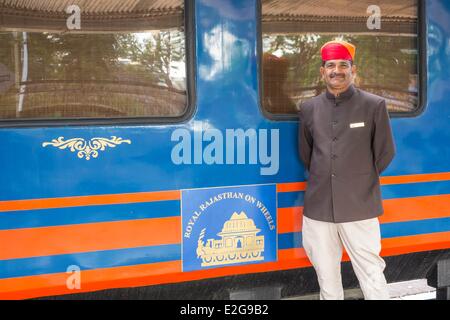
x: 345, y: 143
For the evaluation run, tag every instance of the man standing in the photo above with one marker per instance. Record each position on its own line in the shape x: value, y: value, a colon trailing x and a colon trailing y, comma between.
x: 345, y: 142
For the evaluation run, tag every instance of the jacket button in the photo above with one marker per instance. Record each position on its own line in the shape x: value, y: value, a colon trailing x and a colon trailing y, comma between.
x: 333, y: 175
x: 334, y: 157
x: 335, y: 139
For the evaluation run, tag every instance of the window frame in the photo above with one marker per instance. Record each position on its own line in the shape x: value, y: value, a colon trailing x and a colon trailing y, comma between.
x: 422, y: 69
x: 189, y: 42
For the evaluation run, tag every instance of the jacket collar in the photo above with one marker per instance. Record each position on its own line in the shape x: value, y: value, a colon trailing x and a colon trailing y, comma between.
x: 347, y: 94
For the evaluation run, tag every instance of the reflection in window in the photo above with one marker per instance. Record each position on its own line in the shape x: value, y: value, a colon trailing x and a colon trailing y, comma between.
x: 127, y: 60
x: 295, y: 30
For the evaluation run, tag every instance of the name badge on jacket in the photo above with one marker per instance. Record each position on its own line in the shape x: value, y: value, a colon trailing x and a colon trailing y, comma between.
x: 357, y: 125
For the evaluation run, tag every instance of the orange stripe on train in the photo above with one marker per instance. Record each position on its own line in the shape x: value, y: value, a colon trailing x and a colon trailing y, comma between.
x: 417, y: 208
x: 89, y: 237
x: 91, y: 280
x: 417, y: 243
x: 106, y: 199
x: 291, y: 187
x: 395, y: 210
x: 169, y: 272
x: 290, y: 219
x: 414, y: 178
x: 130, y: 276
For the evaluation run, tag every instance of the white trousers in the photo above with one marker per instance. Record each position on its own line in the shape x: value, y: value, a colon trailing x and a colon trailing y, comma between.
x: 323, y: 243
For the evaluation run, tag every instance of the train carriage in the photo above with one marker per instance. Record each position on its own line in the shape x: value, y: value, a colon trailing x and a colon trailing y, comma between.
x: 149, y: 148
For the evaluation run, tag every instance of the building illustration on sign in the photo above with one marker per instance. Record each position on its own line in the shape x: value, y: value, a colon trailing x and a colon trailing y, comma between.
x: 239, y: 243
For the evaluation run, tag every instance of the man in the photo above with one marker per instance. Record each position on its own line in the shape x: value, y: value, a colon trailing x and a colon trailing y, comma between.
x: 345, y: 142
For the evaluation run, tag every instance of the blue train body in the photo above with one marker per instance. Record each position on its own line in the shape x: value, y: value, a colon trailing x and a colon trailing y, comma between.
x: 225, y: 99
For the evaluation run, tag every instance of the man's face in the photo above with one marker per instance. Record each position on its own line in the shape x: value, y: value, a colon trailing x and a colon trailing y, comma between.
x: 338, y: 74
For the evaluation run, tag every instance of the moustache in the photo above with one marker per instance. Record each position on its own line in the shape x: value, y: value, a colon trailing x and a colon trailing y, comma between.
x: 334, y: 75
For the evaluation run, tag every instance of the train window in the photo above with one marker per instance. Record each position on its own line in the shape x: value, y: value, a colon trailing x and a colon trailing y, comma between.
x: 385, y: 34
x: 78, y: 59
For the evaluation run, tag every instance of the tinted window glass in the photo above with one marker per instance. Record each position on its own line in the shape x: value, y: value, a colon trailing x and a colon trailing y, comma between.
x: 91, y: 59
x: 384, y: 33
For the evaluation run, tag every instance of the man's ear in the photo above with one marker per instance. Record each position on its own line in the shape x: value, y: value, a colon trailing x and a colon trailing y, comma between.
x: 354, y: 70
x: 322, y: 72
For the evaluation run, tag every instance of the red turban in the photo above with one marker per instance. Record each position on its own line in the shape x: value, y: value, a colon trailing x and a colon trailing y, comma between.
x: 338, y: 50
